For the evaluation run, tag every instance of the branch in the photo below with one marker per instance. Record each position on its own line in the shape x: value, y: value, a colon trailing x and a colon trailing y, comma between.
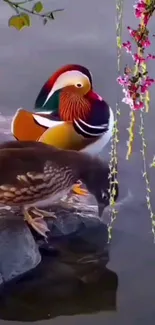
x: 23, y: 15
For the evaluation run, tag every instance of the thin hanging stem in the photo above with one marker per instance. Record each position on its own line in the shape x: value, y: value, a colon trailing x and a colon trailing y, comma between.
x: 145, y: 173
x: 146, y: 99
x: 115, y: 139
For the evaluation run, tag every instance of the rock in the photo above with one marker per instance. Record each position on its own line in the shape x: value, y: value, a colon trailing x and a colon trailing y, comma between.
x: 82, y: 251
x: 18, y: 251
x: 72, y: 277
x: 73, y: 264
x: 78, y: 235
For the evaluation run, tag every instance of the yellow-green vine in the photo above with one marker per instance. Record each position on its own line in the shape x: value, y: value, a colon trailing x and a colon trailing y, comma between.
x: 131, y: 133
x: 145, y: 173
x: 146, y: 100
x: 113, y: 165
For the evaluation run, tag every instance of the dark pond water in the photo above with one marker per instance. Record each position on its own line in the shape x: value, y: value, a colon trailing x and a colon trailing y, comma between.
x: 85, y: 34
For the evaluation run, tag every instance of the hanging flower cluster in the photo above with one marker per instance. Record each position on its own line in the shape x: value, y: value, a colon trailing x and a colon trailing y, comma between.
x: 136, y: 81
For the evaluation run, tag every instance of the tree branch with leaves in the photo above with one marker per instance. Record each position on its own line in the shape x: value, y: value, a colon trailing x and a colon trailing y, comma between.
x: 22, y: 17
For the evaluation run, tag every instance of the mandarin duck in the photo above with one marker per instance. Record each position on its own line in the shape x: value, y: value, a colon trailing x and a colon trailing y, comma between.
x: 33, y: 174
x: 68, y: 114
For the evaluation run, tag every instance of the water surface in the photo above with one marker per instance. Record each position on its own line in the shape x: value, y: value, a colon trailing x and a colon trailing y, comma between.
x: 85, y: 34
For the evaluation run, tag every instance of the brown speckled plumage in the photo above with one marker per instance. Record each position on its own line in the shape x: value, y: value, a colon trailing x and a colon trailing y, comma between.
x: 32, y: 172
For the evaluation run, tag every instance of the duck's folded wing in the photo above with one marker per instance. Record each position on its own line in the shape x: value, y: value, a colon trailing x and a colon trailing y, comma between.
x: 28, y: 126
x: 65, y: 137
x: 25, y: 175
x: 24, y: 126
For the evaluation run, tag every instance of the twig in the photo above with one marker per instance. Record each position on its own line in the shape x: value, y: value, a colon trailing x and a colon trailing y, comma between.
x: 17, y: 6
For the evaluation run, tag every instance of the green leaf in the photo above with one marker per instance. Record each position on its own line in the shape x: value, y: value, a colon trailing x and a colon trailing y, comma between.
x: 18, y: 22
x: 38, y: 7
x: 26, y: 18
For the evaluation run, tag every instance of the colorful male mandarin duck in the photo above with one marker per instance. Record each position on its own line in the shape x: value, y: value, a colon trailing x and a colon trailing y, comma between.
x: 68, y: 114
x: 40, y: 174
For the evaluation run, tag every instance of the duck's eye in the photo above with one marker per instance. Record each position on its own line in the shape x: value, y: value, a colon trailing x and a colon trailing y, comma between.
x: 79, y: 85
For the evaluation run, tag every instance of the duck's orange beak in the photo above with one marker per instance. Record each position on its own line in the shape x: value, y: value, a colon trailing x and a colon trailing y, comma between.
x: 25, y: 128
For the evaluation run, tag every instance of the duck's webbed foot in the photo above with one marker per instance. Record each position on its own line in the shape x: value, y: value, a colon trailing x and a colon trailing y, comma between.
x: 38, y: 223
x: 43, y: 213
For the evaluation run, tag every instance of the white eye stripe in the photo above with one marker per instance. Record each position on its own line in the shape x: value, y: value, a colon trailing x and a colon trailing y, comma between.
x: 66, y: 78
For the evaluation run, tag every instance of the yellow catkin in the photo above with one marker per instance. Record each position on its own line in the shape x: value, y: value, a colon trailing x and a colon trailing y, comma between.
x: 115, y: 138
x: 131, y: 134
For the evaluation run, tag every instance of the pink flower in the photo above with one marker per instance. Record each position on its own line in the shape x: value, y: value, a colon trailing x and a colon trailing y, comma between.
x: 138, y: 106
x: 138, y: 59
x: 132, y: 32
x: 150, y: 56
x: 127, y: 46
x: 150, y: 80
x: 140, y: 8
x: 147, y: 83
x: 143, y: 89
x: 141, y: 5
x: 127, y: 98
x: 123, y: 81
x: 136, y: 35
x: 136, y: 84
x: 133, y: 88
x: 145, y: 43
x: 128, y: 101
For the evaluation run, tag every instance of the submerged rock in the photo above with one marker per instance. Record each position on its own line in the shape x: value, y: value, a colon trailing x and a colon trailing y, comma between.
x: 73, y: 264
x: 18, y: 250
